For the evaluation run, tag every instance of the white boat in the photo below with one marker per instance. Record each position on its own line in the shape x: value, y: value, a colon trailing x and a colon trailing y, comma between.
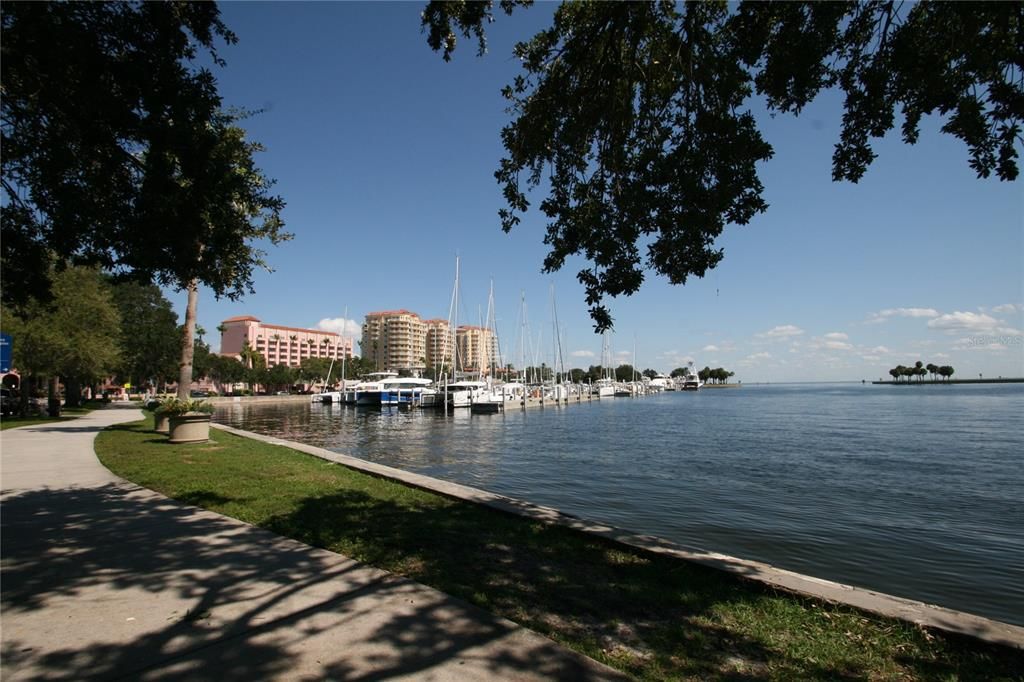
x: 328, y: 397
x: 691, y: 380
x: 604, y: 388
x: 460, y: 394
x: 368, y: 392
x: 660, y: 383
x: 408, y: 392
x: 497, y: 396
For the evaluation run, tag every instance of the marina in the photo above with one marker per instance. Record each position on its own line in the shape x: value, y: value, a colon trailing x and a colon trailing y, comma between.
x: 916, y: 494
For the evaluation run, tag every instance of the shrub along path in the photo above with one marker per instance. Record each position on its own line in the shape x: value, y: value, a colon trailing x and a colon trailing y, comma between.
x: 651, y: 617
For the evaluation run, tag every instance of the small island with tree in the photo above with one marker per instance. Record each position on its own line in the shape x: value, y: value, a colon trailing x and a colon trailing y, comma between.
x: 940, y: 374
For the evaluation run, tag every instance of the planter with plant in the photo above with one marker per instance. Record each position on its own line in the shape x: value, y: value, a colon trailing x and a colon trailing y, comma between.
x: 188, y: 420
x: 161, y: 414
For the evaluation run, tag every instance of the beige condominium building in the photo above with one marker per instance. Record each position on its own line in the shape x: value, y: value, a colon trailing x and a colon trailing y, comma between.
x: 477, y: 350
x: 439, y: 343
x: 400, y: 340
x: 395, y: 340
x: 281, y: 345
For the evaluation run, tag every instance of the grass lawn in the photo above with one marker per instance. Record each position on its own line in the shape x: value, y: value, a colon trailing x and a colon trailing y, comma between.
x: 655, y: 618
x: 66, y: 414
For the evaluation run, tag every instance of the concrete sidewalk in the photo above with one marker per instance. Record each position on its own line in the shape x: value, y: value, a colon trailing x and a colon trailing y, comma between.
x: 103, y: 579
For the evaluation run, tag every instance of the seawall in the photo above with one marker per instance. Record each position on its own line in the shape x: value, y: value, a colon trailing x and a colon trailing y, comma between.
x: 890, y: 606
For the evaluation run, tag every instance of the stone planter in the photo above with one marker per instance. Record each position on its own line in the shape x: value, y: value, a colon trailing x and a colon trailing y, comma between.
x: 191, y: 427
x: 161, y: 422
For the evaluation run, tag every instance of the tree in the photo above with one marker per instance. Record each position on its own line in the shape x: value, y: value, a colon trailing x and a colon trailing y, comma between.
x: 932, y: 370
x: 280, y: 377
x: 650, y: 373
x: 316, y: 369
x: 625, y: 372
x: 75, y: 336
x: 202, y: 361
x: 634, y: 115
x: 148, y: 335
x: 678, y: 372
x: 117, y: 153
x: 226, y: 371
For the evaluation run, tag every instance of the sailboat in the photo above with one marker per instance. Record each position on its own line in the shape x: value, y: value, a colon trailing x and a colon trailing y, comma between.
x: 605, y: 386
x: 492, y: 397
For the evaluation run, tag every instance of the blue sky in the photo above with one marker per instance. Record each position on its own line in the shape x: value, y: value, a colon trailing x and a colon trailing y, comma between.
x: 385, y: 156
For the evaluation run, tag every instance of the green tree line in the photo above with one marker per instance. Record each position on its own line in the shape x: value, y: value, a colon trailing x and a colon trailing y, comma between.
x: 95, y: 327
x: 919, y: 370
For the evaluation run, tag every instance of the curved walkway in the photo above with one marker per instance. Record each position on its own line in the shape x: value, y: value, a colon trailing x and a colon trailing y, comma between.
x: 103, y: 579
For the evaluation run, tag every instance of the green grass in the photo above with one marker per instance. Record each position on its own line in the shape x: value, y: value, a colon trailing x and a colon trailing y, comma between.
x: 67, y: 413
x: 653, y: 617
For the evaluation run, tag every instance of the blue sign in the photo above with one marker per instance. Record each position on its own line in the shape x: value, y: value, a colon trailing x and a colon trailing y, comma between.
x: 5, y: 352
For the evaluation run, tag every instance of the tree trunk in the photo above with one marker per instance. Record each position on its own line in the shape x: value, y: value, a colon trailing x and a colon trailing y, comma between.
x: 188, y: 343
x: 53, y: 397
x: 72, y: 392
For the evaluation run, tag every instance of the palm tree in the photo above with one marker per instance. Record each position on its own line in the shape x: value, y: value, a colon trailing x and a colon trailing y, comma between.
x: 919, y: 369
x: 932, y: 369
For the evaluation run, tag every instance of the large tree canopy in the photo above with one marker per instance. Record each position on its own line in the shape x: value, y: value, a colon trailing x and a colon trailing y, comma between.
x: 117, y: 153
x: 635, y: 114
x: 148, y: 334
x: 76, y: 336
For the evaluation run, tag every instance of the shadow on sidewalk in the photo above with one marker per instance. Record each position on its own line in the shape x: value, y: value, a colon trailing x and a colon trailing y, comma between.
x: 246, y: 602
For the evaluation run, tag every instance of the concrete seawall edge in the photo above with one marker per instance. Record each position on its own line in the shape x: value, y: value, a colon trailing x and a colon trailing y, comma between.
x: 919, y: 613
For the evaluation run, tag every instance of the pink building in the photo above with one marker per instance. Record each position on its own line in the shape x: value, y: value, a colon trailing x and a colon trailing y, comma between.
x: 281, y: 345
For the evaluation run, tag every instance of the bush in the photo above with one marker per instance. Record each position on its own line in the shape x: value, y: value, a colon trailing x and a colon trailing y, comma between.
x: 174, y: 407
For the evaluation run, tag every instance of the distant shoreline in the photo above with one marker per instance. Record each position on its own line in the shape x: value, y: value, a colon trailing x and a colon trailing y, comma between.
x: 940, y: 382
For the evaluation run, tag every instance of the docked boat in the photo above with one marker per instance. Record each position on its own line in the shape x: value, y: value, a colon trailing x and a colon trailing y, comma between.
x: 408, y: 392
x: 604, y: 388
x: 496, y: 397
x: 691, y: 380
x: 460, y: 394
x: 368, y: 392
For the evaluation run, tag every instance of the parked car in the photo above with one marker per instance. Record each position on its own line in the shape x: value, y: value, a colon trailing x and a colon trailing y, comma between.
x: 8, y: 401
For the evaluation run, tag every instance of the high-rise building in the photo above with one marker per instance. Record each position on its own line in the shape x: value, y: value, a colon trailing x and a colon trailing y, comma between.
x: 395, y: 340
x: 281, y: 345
x: 476, y: 347
x: 439, y: 344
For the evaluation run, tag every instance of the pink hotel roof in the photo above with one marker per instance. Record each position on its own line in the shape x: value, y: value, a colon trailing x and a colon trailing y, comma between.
x: 250, y: 318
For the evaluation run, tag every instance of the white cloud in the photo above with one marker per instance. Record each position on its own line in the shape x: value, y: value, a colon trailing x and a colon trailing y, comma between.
x: 964, y: 321
x: 837, y: 345
x: 339, y: 325
x: 711, y: 348
x: 758, y: 356
x: 1007, y: 308
x: 836, y: 336
x: 583, y: 354
x: 781, y: 332
x: 883, y: 315
x: 880, y: 350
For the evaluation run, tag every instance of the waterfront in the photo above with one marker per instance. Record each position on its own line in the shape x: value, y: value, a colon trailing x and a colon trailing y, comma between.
x: 915, y: 493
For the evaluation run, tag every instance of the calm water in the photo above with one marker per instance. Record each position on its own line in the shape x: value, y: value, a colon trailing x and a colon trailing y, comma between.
x: 913, y: 491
